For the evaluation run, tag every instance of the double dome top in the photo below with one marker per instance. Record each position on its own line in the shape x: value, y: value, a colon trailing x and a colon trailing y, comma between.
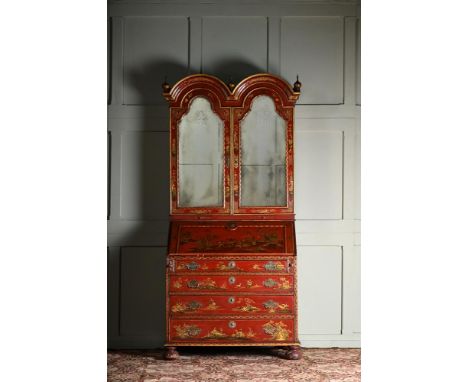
x: 232, y: 95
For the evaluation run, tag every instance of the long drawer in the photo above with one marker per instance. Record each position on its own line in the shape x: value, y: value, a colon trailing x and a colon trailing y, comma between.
x: 232, y: 330
x: 185, y: 305
x: 278, y: 284
x: 222, y: 264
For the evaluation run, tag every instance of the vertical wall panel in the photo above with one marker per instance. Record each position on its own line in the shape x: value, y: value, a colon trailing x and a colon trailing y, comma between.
x: 145, y: 175
x: 113, y: 280
x: 358, y: 62
x: 234, y: 46
x: 142, y: 298
x: 318, y: 174
x: 153, y: 47
x: 357, y: 173
x: 313, y: 48
x: 319, y: 285
x: 352, y: 291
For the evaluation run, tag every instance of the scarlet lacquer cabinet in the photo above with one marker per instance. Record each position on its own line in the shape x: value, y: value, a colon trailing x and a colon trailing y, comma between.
x: 231, y: 263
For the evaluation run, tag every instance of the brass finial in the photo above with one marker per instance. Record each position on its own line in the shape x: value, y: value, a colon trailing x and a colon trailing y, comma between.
x: 166, y: 87
x: 297, y: 85
x: 231, y: 84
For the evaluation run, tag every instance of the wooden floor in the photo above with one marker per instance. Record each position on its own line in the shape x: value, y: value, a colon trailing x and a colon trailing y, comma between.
x: 234, y: 364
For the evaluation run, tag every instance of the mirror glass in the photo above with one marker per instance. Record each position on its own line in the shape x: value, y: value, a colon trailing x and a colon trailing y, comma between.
x: 263, y: 155
x: 201, y: 134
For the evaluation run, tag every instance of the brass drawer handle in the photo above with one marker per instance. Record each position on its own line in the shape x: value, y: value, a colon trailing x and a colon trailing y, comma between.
x: 232, y: 264
x: 232, y: 280
x: 193, y: 284
x: 231, y: 300
x: 270, y: 283
x: 274, y: 266
x: 232, y: 324
x: 192, y: 266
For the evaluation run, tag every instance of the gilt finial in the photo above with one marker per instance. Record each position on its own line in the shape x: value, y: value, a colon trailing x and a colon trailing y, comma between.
x: 231, y: 84
x: 297, y: 85
x: 166, y: 87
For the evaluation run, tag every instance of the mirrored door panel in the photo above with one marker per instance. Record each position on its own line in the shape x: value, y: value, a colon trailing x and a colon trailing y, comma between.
x: 263, y: 156
x: 200, y: 156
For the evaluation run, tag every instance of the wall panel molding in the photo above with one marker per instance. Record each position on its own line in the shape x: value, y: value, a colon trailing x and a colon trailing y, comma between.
x: 149, y: 56
x: 232, y: 8
x: 313, y: 48
x: 321, y: 290
x: 350, y: 80
x: 358, y: 62
x: 319, y: 174
x: 234, y: 46
x: 144, y: 175
x: 140, y: 312
x: 116, y: 85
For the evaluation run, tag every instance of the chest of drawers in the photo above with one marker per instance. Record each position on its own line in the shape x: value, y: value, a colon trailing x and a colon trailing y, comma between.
x: 243, y: 295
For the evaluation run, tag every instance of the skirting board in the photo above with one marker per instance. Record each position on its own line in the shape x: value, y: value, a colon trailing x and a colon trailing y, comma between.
x: 331, y: 344
x: 329, y: 341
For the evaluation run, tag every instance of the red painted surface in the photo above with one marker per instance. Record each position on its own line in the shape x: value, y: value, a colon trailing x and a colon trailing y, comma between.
x: 236, y: 104
x: 280, y: 284
x: 176, y: 114
x: 232, y: 237
x: 217, y: 330
x: 231, y: 270
x: 202, y: 305
x: 231, y: 265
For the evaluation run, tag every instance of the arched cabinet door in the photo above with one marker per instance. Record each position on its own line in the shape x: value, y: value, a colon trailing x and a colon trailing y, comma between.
x: 263, y: 146
x: 200, y: 147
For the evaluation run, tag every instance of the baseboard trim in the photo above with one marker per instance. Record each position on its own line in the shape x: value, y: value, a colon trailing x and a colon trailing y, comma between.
x: 331, y: 343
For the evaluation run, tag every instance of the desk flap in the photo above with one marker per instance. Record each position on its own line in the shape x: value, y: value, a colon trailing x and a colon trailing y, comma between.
x: 232, y: 237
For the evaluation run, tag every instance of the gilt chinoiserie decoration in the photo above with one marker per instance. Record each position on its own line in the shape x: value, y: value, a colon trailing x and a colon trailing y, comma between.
x: 231, y: 263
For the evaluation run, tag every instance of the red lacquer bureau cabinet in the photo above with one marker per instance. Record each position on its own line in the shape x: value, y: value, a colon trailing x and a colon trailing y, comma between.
x: 231, y: 263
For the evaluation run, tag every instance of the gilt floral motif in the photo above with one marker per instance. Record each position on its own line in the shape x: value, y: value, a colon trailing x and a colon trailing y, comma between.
x: 274, y: 307
x: 193, y: 307
x: 187, y: 331
x: 216, y: 334
x: 270, y: 266
x: 277, y: 330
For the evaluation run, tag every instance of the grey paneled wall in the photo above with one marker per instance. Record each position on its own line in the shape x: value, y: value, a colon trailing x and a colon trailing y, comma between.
x: 145, y: 179
x: 317, y: 40
x: 142, y: 297
x: 234, y: 46
x: 313, y: 47
x: 148, y: 51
